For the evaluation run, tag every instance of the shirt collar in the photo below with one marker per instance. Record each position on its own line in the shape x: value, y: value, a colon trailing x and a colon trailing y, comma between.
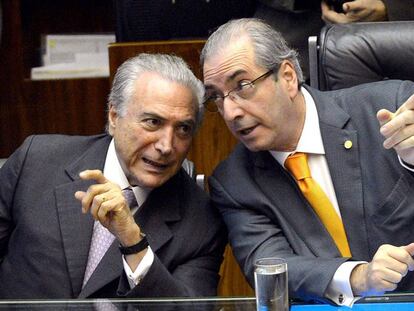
x: 114, y: 172
x: 310, y: 140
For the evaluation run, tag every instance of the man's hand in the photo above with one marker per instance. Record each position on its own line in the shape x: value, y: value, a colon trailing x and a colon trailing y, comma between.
x: 107, y: 204
x: 389, y: 265
x: 398, y: 130
x: 356, y: 11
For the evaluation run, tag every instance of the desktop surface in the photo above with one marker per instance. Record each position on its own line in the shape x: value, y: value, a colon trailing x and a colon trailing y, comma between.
x: 391, y: 302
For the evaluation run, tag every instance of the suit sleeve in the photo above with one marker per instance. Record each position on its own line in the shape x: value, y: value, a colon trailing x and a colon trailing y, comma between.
x: 9, y: 177
x: 254, y: 235
x: 399, y: 10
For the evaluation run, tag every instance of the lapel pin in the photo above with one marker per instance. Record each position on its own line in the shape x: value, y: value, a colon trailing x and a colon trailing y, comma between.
x: 348, y: 144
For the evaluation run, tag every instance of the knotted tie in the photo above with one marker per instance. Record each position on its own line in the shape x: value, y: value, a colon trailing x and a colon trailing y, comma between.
x: 102, y: 238
x: 297, y: 164
x: 130, y: 198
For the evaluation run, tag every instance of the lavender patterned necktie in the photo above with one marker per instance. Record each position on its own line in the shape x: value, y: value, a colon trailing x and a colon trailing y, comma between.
x: 102, y: 239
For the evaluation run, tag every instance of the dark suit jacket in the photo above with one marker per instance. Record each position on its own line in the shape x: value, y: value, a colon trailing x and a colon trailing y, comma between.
x: 45, y: 238
x: 267, y: 215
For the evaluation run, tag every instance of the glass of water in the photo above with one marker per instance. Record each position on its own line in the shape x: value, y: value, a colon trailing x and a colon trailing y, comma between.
x: 271, y: 284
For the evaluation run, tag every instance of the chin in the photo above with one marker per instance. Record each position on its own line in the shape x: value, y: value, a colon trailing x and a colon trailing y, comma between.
x: 152, y: 182
x: 255, y: 146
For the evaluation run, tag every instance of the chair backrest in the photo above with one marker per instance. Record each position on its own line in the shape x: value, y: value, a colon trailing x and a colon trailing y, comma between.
x: 349, y: 54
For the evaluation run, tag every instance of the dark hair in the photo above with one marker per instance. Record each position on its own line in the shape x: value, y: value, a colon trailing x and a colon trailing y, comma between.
x: 269, y: 45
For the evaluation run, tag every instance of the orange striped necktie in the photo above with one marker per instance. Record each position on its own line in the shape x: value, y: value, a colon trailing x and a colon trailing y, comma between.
x: 297, y: 165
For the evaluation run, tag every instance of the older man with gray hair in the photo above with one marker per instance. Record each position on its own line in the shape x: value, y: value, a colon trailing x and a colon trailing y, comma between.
x: 111, y: 215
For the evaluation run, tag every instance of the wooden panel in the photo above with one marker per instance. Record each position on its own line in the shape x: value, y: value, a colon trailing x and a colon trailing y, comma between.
x: 212, y: 143
x: 72, y: 106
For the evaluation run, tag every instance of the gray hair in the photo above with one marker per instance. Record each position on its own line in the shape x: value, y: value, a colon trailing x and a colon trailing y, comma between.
x: 269, y: 45
x: 170, y: 67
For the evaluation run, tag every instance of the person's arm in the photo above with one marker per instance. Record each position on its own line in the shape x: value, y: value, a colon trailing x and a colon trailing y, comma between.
x: 105, y: 202
x: 9, y: 176
x: 197, y: 275
x: 135, y: 277
x: 356, y: 11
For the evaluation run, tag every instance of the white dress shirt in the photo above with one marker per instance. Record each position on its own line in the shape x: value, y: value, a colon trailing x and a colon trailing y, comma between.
x: 113, y: 172
x: 310, y: 142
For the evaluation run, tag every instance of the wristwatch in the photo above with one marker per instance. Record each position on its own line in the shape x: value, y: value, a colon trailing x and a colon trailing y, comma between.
x: 136, y: 248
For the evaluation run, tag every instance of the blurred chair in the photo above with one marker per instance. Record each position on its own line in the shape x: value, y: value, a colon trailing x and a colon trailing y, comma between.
x: 142, y: 20
x: 349, y: 54
x: 2, y: 161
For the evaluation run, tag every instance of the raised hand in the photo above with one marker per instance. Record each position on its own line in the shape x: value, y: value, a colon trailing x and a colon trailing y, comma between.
x: 106, y: 203
x: 398, y: 130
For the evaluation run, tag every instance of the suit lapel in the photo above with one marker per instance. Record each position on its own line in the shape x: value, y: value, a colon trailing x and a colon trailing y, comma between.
x: 161, y: 208
x: 346, y: 176
x: 344, y: 167
x: 278, y: 186
x: 76, y: 227
x: 109, y: 268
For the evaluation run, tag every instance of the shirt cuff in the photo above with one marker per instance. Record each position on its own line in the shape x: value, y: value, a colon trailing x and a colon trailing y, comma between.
x: 406, y: 165
x: 339, y: 289
x: 135, y: 277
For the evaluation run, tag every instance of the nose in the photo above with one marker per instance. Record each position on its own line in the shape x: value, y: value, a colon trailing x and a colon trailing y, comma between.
x: 164, y: 144
x: 231, y: 109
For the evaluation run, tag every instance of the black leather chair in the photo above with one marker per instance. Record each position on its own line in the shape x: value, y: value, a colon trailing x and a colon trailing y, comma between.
x: 349, y: 54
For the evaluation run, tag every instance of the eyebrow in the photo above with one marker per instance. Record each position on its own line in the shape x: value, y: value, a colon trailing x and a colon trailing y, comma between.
x: 156, y: 116
x: 152, y: 115
x: 230, y: 78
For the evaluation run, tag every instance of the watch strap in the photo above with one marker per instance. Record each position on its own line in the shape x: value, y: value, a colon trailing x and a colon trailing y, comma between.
x: 136, y: 248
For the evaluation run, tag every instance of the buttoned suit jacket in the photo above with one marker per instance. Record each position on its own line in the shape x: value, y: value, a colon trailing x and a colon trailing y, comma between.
x: 45, y: 238
x: 267, y: 215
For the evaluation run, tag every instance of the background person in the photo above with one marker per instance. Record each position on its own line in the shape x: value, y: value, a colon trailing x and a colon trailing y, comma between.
x: 299, y: 19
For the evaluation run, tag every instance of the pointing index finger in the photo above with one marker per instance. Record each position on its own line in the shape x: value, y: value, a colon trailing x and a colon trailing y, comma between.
x: 93, y: 174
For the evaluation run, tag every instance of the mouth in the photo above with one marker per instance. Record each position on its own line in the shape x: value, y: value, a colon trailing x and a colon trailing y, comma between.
x: 154, y: 164
x: 246, y: 131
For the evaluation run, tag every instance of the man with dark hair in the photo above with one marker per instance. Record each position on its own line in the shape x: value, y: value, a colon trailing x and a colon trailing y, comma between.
x: 313, y: 180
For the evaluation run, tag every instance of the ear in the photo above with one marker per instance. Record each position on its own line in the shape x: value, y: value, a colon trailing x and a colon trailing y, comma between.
x: 112, y: 119
x: 287, y: 74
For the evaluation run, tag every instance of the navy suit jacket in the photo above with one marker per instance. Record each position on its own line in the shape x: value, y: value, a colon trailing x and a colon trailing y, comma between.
x: 45, y: 238
x: 267, y: 215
